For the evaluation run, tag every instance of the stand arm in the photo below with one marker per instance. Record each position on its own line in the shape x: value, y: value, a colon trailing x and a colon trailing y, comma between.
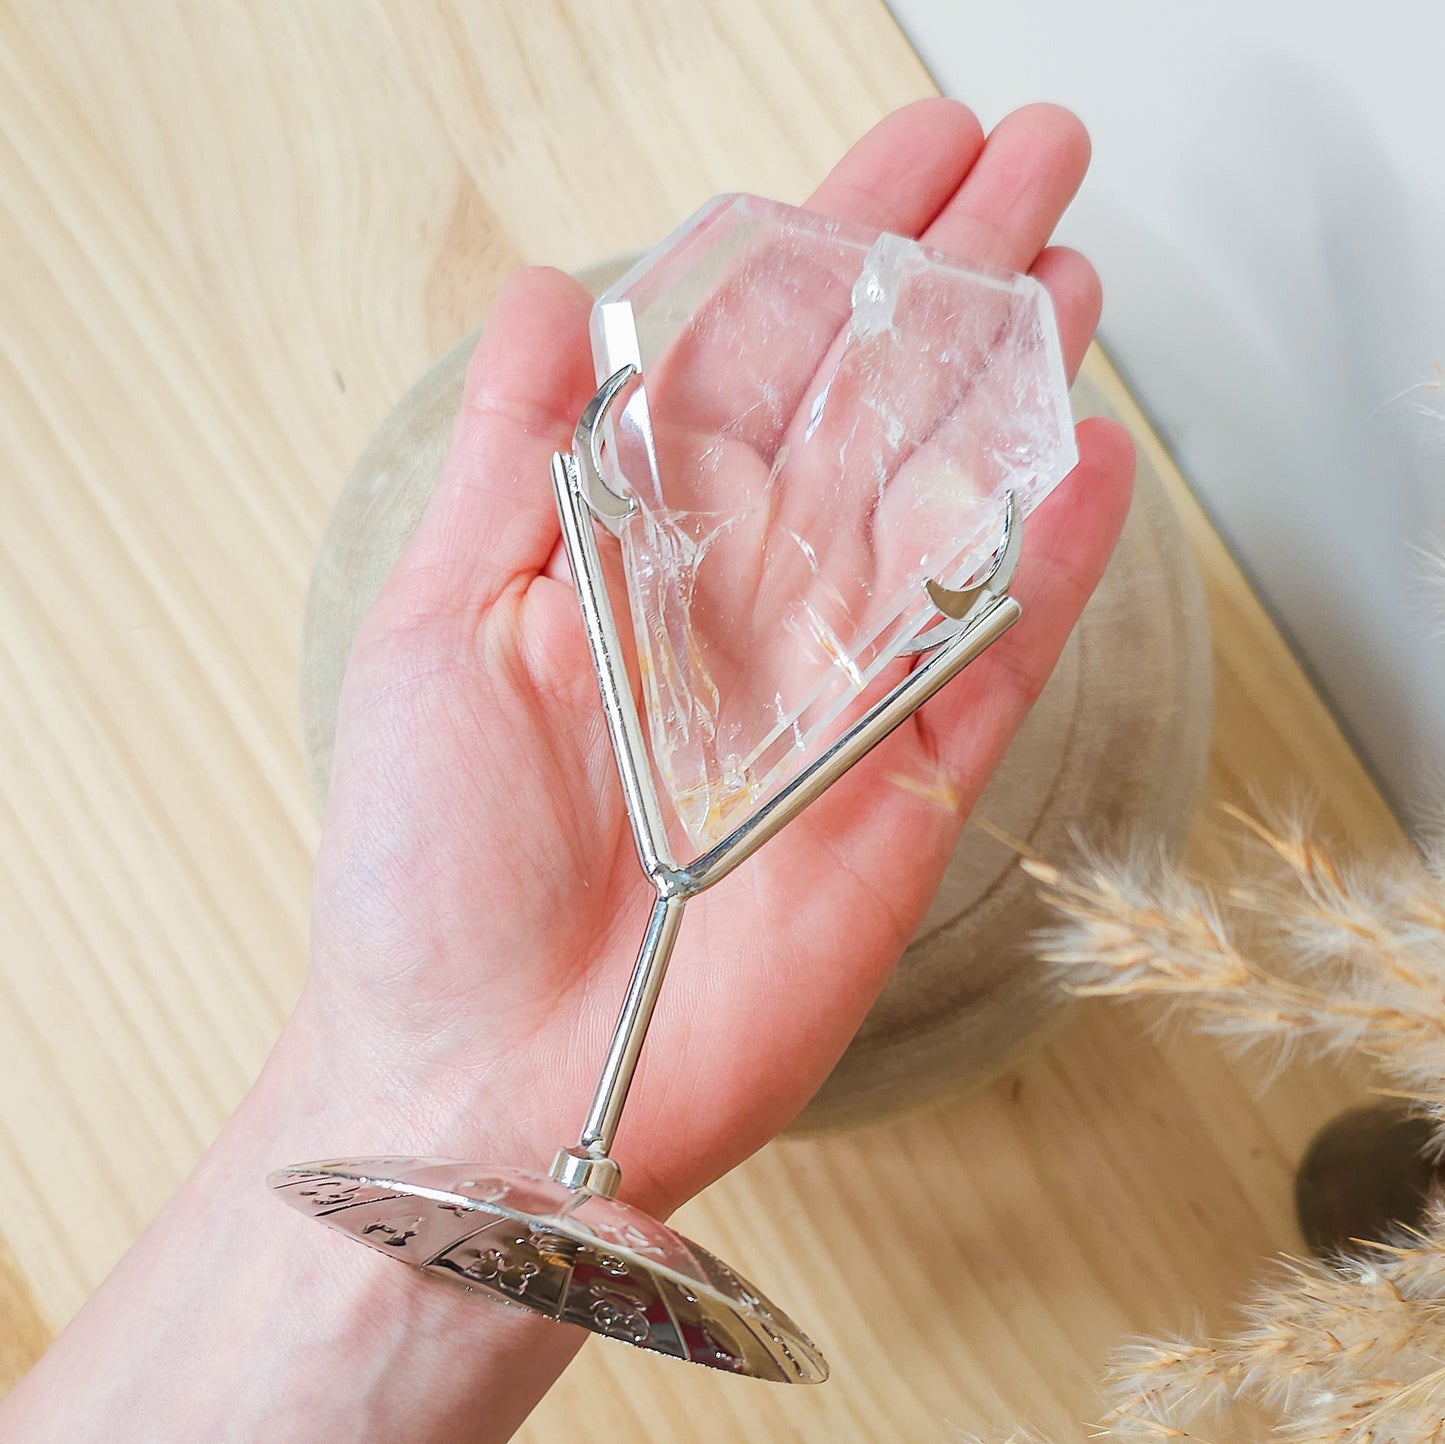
x: 860, y: 739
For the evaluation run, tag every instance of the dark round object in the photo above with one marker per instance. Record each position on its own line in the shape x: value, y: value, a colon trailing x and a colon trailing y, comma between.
x: 1366, y: 1173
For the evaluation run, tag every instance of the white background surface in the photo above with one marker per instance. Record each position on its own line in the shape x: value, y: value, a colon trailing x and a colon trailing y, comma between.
x: 1267, y: 210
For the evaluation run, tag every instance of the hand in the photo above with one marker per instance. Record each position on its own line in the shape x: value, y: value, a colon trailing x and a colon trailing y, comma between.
x: 478, y: 902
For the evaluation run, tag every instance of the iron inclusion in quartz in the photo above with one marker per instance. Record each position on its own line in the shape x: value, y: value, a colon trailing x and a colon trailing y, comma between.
x: 828, y: 417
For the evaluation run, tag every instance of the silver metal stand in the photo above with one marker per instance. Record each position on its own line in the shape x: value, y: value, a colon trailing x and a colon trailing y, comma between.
x: 564, y: 1246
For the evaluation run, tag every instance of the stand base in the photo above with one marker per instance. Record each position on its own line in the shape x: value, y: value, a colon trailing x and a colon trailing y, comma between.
x: 568, y: 1254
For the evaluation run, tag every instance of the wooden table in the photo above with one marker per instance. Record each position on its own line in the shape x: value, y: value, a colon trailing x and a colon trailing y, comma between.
x: 232, y: 235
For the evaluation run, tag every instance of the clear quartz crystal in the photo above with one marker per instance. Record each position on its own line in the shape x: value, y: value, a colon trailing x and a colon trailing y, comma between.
x: 827, y: 418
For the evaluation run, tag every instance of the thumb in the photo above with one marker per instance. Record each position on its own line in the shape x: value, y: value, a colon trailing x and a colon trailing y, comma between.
x: 491, y: 520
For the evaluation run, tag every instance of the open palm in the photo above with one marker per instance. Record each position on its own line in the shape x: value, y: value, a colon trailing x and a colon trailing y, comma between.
x: 478, y: 894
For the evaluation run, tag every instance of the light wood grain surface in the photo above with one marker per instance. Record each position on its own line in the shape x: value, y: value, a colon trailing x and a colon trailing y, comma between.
x: 232, y: 234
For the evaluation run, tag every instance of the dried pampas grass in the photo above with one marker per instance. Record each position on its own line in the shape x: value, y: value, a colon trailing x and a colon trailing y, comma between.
x: 1309, y: 953
x: 1315, y: 953
x: 1306, y: 950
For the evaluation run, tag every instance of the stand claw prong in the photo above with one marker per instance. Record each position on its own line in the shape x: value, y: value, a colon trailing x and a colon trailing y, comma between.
x: 607, y: 506
x: 961, y: 607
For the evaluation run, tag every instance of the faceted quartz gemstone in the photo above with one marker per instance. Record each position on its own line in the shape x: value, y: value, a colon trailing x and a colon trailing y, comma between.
x: 827, y: 417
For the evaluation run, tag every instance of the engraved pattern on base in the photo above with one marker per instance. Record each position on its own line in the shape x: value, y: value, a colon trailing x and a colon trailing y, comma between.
x: 526, y: 1241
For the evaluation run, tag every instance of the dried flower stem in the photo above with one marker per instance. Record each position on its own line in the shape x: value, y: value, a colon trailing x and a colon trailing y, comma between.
x: 1352, y: 1351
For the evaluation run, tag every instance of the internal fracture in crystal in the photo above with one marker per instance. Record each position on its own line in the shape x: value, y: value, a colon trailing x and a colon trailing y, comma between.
x: 828, y: 417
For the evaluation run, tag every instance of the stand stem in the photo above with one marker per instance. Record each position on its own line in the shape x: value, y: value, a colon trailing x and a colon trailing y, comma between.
x: 600, y: 1127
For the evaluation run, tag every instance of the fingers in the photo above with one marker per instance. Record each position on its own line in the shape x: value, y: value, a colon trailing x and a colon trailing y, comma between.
x: 903, y: 172
x: 1073, y: 285
x: 1012, y: 198
x: 491, y: 520
x: 1067, y: 543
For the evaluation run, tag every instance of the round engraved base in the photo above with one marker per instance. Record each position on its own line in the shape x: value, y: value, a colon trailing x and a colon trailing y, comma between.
x: 570, y: 1255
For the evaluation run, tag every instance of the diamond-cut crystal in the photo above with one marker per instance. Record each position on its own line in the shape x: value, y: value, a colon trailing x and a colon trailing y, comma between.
x: 828, y: 417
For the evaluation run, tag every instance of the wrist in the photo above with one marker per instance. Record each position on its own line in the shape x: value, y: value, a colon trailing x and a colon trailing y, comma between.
x: 350, y: 1081
x: 287, y: 1329
x: 340, y: 1083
